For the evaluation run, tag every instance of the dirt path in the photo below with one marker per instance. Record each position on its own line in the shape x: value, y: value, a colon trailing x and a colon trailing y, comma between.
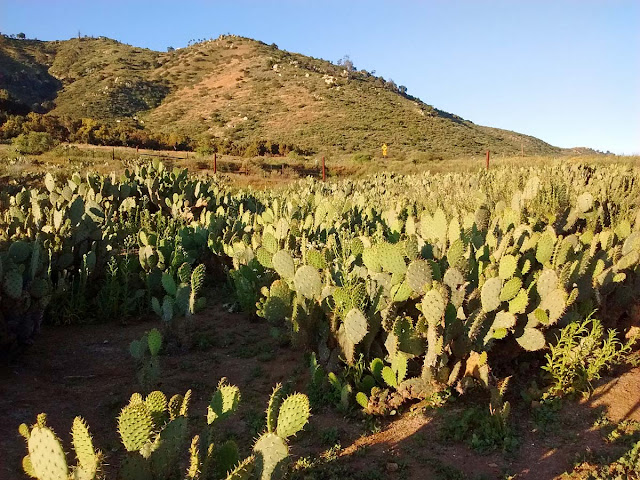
x: 87, y: 371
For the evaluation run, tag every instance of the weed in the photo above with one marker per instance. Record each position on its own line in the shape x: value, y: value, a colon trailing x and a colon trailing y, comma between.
x: 483, y: 429
x: 330, y: 436
x: 581, y: 354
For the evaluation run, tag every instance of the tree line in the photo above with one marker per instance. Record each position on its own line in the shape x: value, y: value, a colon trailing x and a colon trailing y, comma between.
x: 35, y: 133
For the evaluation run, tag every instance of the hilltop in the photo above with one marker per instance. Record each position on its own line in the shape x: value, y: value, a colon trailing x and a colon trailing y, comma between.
x: 238, y: 89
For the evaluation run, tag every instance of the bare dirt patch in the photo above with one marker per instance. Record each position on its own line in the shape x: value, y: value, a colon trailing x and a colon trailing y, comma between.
x: 86, y: 370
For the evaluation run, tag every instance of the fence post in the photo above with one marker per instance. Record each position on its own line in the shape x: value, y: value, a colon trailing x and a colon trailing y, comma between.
x: 487, y: 160
x: 324, y: 172
x: 215, y: 163
x: 113, y: 154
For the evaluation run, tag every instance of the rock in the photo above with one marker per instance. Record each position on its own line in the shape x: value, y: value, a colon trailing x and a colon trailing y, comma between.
x: 633, y: 332
x: 392, y: 467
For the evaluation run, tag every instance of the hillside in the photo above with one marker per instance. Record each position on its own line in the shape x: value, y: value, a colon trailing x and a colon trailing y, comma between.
x: 240, y: 89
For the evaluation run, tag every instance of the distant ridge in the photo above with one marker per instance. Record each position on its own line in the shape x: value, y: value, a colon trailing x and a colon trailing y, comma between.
x: 240, y: 89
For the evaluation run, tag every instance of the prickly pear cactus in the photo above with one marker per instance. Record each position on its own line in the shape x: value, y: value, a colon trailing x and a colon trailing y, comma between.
x: 271, y: 452
x: 46, y: 455
x: 293, y: 415
x: 135, y: 426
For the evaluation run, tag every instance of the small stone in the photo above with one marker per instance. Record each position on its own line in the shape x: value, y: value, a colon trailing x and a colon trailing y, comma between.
x: 633, y: 332
x: 392, y: 467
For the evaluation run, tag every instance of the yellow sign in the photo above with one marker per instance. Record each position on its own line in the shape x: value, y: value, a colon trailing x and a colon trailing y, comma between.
x: 384, y: 150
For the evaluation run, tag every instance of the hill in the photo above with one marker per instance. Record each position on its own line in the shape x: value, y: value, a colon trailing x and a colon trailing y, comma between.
x: 239, y: 89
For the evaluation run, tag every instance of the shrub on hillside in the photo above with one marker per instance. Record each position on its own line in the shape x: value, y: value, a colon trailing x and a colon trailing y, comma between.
x: 361, y: 157
x: 34, y: 143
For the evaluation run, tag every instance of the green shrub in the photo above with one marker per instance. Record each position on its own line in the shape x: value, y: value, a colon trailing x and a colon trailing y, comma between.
x: 581, y: 354
x: 423, y: 157
x: 34, y: 143
x: 361, y: 157
x: 295, y: 156
x: 483, y: 429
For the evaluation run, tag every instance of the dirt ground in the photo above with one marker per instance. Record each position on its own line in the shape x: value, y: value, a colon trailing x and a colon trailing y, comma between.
x: 87, y: 370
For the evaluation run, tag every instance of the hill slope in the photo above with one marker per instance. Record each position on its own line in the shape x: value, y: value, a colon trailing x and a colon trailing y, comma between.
x: 240, y: 89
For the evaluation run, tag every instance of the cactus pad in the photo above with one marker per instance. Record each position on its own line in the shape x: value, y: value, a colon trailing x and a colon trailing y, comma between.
x: 271, y: 452
x: 371, y: 259
x: 555, y: 303
x: 169, y: 284
x: 293, y: 416
x: 584, y: 202
x: 491, y: 294
x: 520, y: 302
x: 510, y: 289
x: 137, y: 349
x: 47, y: 457
x: 13, y: 284
x: 307, y: 282
x: 174, y: 406
x: 453, y: 278
x: 544, y: 250
x: 482, y: 218
x: 356, y: 327
x: 19, y: 251
x: 275, y: 400
x: 316, y: 259
x: 156, y: 403
x: 391, y: 258
x: 83, y: 446
x: 27, y: 467
x: 356, y: 246
x: 275, y: 310
x: 269, y: 242
x: 455, y: 252
x: 154, y: 341
x: 283, y: 264
x: 508, y: 266
x: 264, y: 257
x: 547, y: 282
x: 135, y: 426
x: 227, y: 457
x: 244, y: 470
x: 419, y: 275
x: 433, y: 305
x: 362, y: 400
x: 531, y: 340
x: 224, y: 402
x: 134, y: 467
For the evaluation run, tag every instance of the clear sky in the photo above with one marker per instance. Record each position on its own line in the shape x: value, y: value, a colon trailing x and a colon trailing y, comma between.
x: 565, y: 71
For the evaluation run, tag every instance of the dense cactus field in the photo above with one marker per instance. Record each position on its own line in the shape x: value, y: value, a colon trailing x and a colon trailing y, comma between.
x: 420, y: 284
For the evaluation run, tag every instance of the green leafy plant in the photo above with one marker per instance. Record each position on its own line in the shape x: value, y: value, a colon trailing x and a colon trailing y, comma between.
x: 484, y: 429
x: 583, y: 351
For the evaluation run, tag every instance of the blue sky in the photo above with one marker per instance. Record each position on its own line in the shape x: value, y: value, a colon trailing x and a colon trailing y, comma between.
x: 565, y: 71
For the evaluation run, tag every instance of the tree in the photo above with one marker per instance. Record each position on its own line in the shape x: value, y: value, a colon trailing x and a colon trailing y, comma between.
x: 21, y: 36
x: 347, y: 64
x: 170, y: 49
x: 34, y: 143
x: 403, y: 89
